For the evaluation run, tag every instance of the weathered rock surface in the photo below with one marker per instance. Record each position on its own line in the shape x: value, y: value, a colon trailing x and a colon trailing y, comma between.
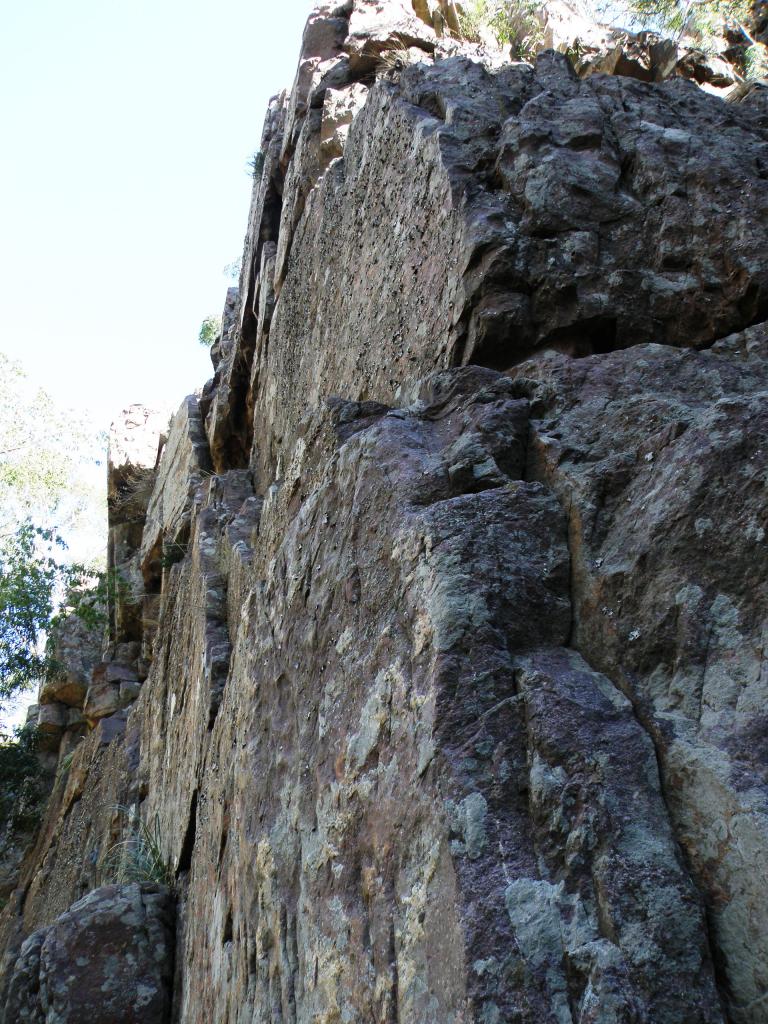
x: 77, y: 649
x: 57, y: 724
x: 661, y: 460
x: 645, y: 56
x: 386, y: 783
x: 136, y: 441
x: 109, y: 959
x: 186, y: 459
x: 444, y: 688
x: 543, y: 212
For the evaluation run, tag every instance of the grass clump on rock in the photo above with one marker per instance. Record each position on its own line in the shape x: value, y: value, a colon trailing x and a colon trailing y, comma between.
x: 139, y: 857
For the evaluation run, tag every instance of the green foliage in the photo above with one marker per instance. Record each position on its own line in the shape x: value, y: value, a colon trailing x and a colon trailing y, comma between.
x: 756, y: 62
x: 255, y: 164
x: 88, y: 596
x: 46, y: 454
x: 515, y: 23
x: 232, y: 270
x: 20, y: 780
x: 172, y: 554
x: 29, y: 574
x: 518, y: 24
x: 139, y: 858
x: 704, y: 19
x: 33, y: 580
x: 50, y: 460
x: 210, y: 329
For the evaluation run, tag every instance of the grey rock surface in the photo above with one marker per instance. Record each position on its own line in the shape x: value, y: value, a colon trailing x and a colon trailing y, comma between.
x: 451, y: 709
x: 543, y: 212
x: 77, y: 649
x: 184, y: 462
x: 109, y: 959
x: 660, y: 457
x: 381, y: 751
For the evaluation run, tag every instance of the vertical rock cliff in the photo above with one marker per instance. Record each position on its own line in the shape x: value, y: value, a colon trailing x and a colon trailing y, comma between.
x: 436, y: 678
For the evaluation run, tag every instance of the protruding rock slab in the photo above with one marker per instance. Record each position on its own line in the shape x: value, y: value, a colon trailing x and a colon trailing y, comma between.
x: 509, y: 211
x: 135, y: 442
x: 184, y: 462
x: 77, y: 649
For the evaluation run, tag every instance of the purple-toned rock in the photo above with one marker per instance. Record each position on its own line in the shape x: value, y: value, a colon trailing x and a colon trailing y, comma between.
x: 109, y: 959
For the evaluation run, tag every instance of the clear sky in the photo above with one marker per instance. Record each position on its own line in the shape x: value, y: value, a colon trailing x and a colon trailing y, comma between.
x: 126, y: 128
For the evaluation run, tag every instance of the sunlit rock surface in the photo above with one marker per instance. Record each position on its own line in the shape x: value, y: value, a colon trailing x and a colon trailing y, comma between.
x: 437, y: 668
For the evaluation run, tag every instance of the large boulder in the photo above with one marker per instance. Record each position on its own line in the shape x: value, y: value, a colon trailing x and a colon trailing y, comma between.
x: 109, y: 959
x: 77, y: 648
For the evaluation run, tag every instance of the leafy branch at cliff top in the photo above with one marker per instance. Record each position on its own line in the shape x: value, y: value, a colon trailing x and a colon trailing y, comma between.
x: 705, y: 21
x: 519, y: 24
x: 210, y: 329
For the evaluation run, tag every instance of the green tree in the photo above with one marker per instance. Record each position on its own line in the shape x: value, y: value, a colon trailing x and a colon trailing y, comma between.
x: 703, y: 17
x: 20, y: 782
x: 50, y: 459
x: 35, y: 580
x: 29, y: 574
x: 49, y: 467
x: 51, y: 485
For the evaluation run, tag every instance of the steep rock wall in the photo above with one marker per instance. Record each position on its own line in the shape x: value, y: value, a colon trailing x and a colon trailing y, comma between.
x: 455, y: 685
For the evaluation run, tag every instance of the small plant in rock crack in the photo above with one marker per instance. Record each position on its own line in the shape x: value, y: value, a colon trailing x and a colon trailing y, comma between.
x: 517, y: 24
x: 172, y: 554
x: 139, y: 857
x: 129, y: 501
x: 395, y: 58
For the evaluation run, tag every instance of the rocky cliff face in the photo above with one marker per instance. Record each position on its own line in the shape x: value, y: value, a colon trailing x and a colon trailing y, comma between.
x: 436, y: 667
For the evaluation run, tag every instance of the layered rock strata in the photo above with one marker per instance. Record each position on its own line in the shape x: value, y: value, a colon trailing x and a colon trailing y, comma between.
x: 450, y: 591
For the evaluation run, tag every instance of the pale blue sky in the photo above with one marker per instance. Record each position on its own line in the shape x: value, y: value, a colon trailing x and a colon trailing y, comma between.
x: 126, y: 128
